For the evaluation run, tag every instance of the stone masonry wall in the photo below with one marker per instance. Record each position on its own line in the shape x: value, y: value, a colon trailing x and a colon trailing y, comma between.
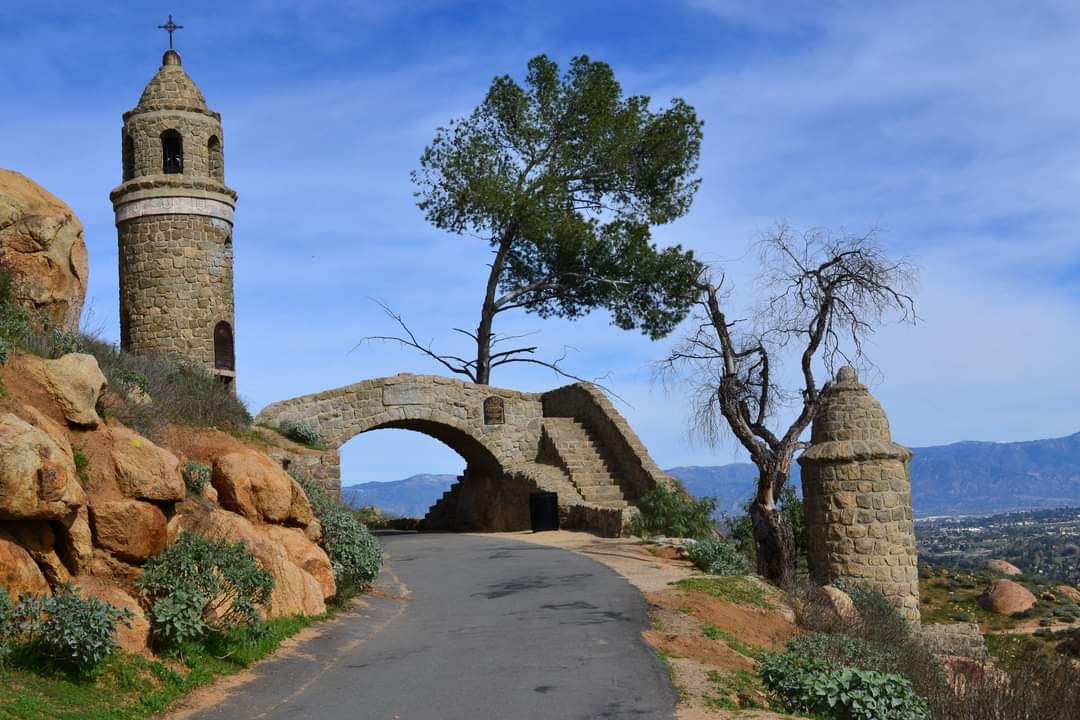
x: 145, y: 131
x: 176, y: 284
x: 447, y: 409
x: 857, y: 493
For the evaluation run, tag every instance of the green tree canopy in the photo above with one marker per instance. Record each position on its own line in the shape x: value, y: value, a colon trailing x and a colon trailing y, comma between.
x: 565, y: 178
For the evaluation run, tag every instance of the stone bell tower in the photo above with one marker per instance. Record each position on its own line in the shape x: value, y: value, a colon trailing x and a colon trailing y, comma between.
x: 174, y: 219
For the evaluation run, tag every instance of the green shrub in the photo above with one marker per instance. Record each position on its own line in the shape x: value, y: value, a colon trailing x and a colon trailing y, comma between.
x: 717, y: 557
x: 840, y: 651
x: 196, y: 476
x: 128, y: 380
x: 21, y: 329
x: 355, y: 554
x: 197, y: 584
x: 82, y: 465
x: 172, y: 390
x: 807, y: 684
x: 879, y: 620
x: 303, y: 433
x: 75, y: 632
x: 671, y: 512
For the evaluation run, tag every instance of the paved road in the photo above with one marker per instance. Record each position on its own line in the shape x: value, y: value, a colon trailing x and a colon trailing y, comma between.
x: 490, y: 629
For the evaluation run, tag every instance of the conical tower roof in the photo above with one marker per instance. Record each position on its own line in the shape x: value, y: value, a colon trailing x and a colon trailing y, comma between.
x: 172, y: 89
x: 850, y: 424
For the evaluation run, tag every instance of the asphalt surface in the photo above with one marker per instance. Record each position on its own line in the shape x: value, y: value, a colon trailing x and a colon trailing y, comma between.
x: 471, y: 628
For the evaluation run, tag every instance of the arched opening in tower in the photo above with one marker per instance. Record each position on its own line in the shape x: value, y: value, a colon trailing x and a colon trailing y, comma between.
x: 224, y: 358
x: 217, y: 162
x: 128, y: 156
x: 172, y: 152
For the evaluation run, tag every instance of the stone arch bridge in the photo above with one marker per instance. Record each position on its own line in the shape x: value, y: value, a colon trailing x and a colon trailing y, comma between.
x: 570, y: 440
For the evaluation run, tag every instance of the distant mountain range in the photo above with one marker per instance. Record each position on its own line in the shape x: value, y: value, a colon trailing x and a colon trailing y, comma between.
x: 410, y: 497
x: 962, y: 478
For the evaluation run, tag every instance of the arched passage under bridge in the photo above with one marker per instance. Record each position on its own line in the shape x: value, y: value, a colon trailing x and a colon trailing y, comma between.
x: 570, y: 441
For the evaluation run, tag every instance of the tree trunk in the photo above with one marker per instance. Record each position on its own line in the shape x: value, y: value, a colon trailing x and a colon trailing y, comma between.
x: 487, y: 312
x: 483, y: 346
x: 774, y: 540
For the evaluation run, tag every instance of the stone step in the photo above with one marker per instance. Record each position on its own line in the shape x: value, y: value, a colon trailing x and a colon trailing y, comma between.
x: 600, y: 492
x: 581, y: 455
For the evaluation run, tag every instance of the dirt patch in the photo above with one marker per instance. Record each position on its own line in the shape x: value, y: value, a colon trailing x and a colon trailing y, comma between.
x: 756, y: 627
x: 200, y: 444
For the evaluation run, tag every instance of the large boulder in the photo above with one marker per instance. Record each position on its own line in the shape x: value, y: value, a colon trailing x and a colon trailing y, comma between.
x: 133, y: 636
x: 38, y: 539
x: 1003, y: 567
x: 37, y: 478
x: 42, y: 248
x: 1006, y: 597
x: 129, y: 529
x: 251, y: 484
x: 19, y: 574
x: 839, y: 602
x: 306, y: 555
x: 144, y: 470
x: 75, y: 382
x: 295, y: 591
x: 1068, y: 593
x: 75, y: 541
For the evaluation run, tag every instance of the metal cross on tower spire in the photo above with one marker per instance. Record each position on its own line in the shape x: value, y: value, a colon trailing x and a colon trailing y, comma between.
x: 170, y: 27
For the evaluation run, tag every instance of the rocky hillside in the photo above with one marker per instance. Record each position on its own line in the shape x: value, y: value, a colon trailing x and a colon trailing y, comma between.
x: 85, y: 499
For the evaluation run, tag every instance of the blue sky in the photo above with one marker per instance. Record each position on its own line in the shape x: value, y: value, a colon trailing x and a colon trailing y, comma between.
x: 953, y: 128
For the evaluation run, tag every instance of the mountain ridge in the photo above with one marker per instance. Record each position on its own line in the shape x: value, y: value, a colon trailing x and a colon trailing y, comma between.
x: 966, y: 477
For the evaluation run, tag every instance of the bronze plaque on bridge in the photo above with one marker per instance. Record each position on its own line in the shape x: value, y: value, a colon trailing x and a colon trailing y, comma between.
x: 494, y: 411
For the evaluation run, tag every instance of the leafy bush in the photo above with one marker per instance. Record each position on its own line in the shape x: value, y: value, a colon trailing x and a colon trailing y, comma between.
x: 21, y: 329
x: 129, y: 380
x: 807, y: 684
x: 197, y: 584
x: 303, y: 433
x: 673, y: 513
x: 76, y: 632
x: 196, y: 476
x: 717, y: 557
x: 171, y: 390
x: 839, y: 651
x: 355, y: 554
x: 879, y: 620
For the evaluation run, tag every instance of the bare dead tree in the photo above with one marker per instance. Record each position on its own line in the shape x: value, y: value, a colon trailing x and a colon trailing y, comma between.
x: 468, y: 367
x: 825, y: 296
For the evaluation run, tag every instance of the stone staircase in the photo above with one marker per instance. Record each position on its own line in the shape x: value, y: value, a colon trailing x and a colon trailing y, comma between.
x: 443, y: 514
x: 579, y: 454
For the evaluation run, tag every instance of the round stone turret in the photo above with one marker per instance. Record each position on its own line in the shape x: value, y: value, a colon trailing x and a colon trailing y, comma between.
x: 857, y: 491
x: 174, y: 219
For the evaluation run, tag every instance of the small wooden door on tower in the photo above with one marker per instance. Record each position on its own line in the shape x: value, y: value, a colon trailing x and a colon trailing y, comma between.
x: 224, y: 356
